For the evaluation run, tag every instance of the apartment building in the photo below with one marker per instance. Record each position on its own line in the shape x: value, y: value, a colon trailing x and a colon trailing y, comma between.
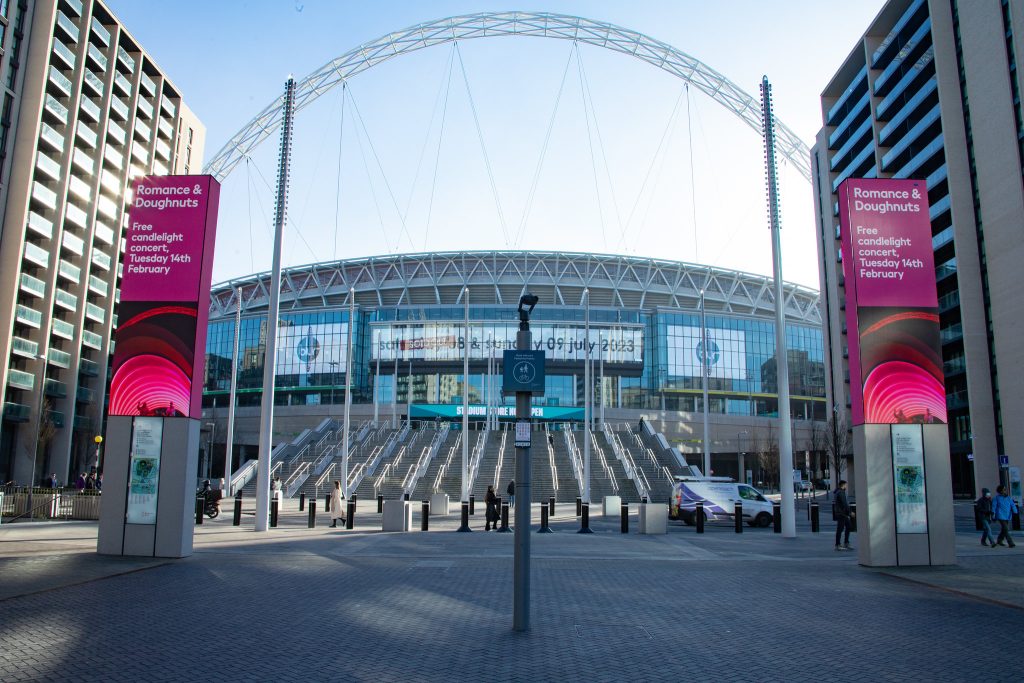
x: 85, y: 110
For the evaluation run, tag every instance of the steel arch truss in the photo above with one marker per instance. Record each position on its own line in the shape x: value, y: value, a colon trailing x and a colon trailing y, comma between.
x: 500, y: 277
x: 489, y: 24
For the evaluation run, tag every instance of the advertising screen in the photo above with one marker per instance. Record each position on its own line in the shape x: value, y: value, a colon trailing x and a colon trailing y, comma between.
x: 891, y: 303
x: 724, y: 359
x: 165, y: 297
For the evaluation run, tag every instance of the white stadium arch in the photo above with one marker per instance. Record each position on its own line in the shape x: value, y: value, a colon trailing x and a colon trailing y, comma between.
x: 491, y: 24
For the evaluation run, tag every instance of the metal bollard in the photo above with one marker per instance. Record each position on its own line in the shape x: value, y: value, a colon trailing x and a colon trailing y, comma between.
x: 380, y: 503
x: 236, y: 519
x: 853, y: 517
x: 425, y: 514
x: 585, y: 520
x: 738, y: 513
x: 354, y: 497
x: 327, y: 502
x: 311, y: 522
x: 777, y: 517
x: 698, y: 516
x: 544, y: 523
x: 504, y: 519
x: 579, y: 506
x: 472, y: 505
x: 302, y: 502
x: 465, y: 518
x: 624, y: 518
x: 199, y: 511
x: 551, y: 506
x: 644, y: 500
x: 350, y: 516
x: 815, y: 518
x: 273, y: 512
x: 405, y: 497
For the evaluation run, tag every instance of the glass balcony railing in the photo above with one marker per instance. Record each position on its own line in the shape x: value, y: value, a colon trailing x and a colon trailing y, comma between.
x: 48, y: 166
x: 168, y: 106
x: 107, y: 207
x: 98, y: 286
x: 92, y: 340
x: 24, y: 347
x: 104, y: 233
x: 32, y: 285
x: 951, y: 333
x: 123, y: 83
x: 147, y: 84
x: 68, y: 26
x: 88, y: 368
x: 16, y: 412
x: 62, y: 329
x: 142, y: 130
x: 116, y: 132
x: 75, y: 6
x: 53, y: 106
x: 21, y: 380
x: 40, y: 225
x: 72, y: 243
x: 94, y: 82
x: 87, y: 134
x: 66, y: 300
x: 62, y: 82
x: 102, y: 33
x: 83, y: 161
x: 61, y: 359
x: 949, y: 301
x: 80, y: 189
x: 119, y: 107
x: 164, y: 150
x: 28, y: 316
x: 44, y: 195
x: 100, y: 259
x: 37, y: 255
x: 954, y: 365
x: 51, y: 137
x: 98, y: 57
x: 95, y: 313
x: 85, y: 395
x: 76, y: 215
x: 90, y: 108
x: 145, y: 108
x: 114, y: 157
x: 69, y: 271
x: 125, y: 58
x: 55, y: 388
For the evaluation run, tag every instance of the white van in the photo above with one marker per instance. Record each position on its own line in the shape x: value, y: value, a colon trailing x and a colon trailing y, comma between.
x: 719, y: 496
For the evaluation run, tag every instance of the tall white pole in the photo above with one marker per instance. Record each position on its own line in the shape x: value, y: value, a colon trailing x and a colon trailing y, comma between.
x: 705, y: 367
x: 229, y: 445
x: 376, y: 390
x: 465, y: 400
x: 586, y: 399
x: 348, y: 390
x: 600, y: 344
x: 781, y: 360
x: 273, y: 314
x: 394, y: 393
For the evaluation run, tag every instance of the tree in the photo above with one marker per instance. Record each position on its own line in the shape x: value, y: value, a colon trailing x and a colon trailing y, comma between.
x: 839, y: 445
x: 817, y: 443
x: 766, y: 446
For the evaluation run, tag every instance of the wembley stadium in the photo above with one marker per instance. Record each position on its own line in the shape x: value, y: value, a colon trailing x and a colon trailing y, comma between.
x: 408, y: 332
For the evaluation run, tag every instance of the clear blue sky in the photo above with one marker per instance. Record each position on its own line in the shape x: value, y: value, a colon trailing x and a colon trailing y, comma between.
x: 230, y: 58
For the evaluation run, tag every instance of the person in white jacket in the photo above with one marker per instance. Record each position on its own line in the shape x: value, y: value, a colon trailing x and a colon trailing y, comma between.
x: 337, y: 509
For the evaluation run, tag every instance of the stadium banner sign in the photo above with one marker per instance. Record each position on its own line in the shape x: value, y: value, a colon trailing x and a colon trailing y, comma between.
x: 165, y: 297
x: 891, y: 303
x: 442, y: 411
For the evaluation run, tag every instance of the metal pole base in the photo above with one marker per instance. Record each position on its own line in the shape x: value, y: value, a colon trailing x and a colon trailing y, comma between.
x: 585, y: 528
x: 465, y: 519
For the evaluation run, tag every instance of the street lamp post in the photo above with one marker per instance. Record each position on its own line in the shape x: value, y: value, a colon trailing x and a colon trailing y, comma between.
x: 41, y: 357
x: 705, y: 367
x: 741, y: 456
x: 588, y: 390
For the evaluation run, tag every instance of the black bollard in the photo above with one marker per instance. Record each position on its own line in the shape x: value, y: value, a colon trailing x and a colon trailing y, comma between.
x: 354, y: 497
x: 350, y: 516
x: 579, y: 506
x: 644, y: 500
x: 327, y: 502
x: 405, y: 497
x: 273, y: 513
x: 551, y: 506
x: 425, y: 514
x: 738, y: 514
x: 698, y: 516
x: 302, y: 502
x: 380, y: 503
x: 853, y: 517
x: 465, y: 518
x: 815, y: 518
x: 504, y: 519
x: 472, y: 505
x: 236, y: 519
x: 624, y: 518
x: 777, y: 517
x: 311, y: 523
x: 585, y: 520
x: 199, y: 511
x: 545, y: 528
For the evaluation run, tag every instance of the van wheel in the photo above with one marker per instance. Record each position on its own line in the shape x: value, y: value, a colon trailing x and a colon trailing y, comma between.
x: 688, y: 518
x: 764, y: 520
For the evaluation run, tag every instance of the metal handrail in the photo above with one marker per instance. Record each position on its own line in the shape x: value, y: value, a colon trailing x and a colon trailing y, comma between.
x: 501, y: 460
x: 296, y: 479
x: 604, y: 464
x: 324, y: 478
x: 554, y: 470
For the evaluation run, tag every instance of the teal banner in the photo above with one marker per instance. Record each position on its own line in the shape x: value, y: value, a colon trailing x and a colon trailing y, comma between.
x: 430, y: 411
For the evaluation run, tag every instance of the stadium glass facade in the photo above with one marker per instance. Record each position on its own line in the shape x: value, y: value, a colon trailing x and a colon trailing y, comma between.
x: 644, y: 357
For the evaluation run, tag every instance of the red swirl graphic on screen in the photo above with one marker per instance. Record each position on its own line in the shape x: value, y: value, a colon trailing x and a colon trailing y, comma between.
x: 153, y: 360
x: 903, y: 380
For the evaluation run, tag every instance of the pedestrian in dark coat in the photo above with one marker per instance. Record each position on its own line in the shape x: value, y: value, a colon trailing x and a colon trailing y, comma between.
x: 844, y: 515
x: 491, y: 515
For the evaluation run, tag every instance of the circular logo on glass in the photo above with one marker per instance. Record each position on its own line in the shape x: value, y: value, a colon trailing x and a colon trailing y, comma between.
x: 713, y: 353
x: 308, y: 348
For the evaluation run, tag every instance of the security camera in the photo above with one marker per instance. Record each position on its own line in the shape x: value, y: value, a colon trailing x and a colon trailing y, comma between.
x: 529, y: 300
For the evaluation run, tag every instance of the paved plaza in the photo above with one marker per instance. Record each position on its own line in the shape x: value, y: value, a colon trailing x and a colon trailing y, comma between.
x: 328, y: 604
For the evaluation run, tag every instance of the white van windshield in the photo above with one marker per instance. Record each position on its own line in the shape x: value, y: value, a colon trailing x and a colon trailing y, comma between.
x: 747, y: 493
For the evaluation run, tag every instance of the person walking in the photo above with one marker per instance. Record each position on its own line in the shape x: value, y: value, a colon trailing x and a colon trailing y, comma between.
x: 336, y: 506
x: 1003, y: 508
x: 511, y: 491
x: 491, y: 514
x: 983, y: 508
x: 843, y: 515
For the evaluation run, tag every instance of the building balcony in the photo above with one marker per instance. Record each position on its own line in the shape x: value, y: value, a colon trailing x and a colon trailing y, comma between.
x: 55, y: 418
x: 67, y: 26
x: 24, y: 347
x: 16, y: 412
x: 18, y: 379
x: 55, y: 388
x: 32, y: 285
x: 88, y: 368
x: 83, y: 423
x: 62, y: 329
x: 85, y: 395
x: 28, y: 316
